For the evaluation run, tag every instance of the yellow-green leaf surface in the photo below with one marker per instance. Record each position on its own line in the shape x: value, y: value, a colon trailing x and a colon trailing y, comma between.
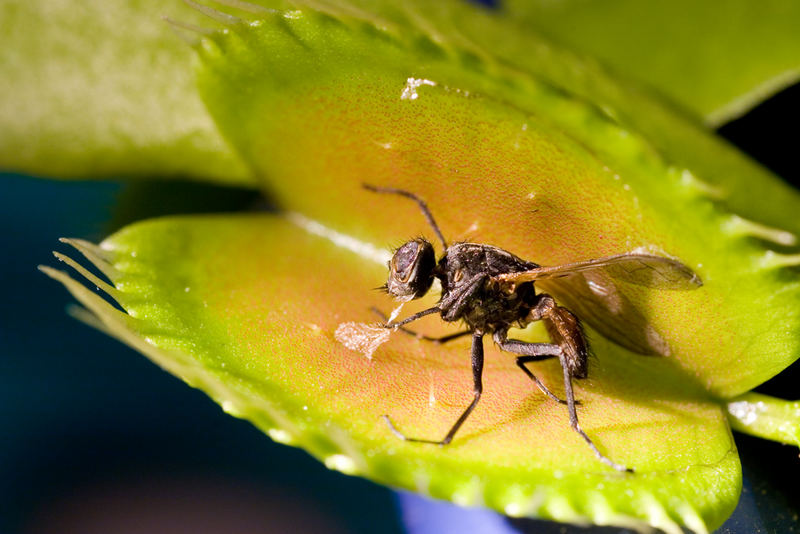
x: 245, y: 308
x: 715, y: 58
x: 766, y: 417
x: 490, y: 54
x: 98, y: 89
x: 502, y: 157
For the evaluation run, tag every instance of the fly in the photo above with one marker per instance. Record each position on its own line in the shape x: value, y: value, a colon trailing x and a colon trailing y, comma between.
x: 491, y: 290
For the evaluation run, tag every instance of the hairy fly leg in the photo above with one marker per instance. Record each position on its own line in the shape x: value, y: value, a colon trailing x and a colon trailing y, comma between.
x: 573, y: 422
x: 477, y: 382
x: 411, y: 318
x: 567, y: 335
x: 530, y: 352
x: 453, y: 304
x: 439, y: 340
x: 421, y: 203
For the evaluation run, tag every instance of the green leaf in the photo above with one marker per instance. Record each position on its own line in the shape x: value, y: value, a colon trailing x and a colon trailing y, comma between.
x: 766, y: 417
x: 504, y: 158
x: 716, y: 59
x: 514, y: 142
x: 493, y: 55
x: 98, y: 89
x: 245, y: 308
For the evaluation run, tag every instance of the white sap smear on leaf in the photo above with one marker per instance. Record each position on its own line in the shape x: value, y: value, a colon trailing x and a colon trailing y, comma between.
x: 412, y: 84
x: 746, y: 412
x: 361, y: 337
x: 365, y: 338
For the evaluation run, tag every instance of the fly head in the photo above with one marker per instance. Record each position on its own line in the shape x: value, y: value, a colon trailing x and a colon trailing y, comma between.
x: 411, y: 270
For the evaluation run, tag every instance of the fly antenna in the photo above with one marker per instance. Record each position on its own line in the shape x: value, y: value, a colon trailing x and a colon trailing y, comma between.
x: 421, y: 203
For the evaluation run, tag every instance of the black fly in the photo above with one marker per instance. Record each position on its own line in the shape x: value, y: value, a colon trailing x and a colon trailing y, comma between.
x: 491, y: 291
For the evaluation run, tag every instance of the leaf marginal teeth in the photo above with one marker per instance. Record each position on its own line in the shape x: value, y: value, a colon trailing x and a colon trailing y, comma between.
x: 210, y: 12
x: 740, y: 226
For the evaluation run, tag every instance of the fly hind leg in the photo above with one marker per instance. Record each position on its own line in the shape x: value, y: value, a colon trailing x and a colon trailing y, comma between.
x: 565, y: 330
x: 566, y: 333
x: 530, y: 352
x: 573, y: 423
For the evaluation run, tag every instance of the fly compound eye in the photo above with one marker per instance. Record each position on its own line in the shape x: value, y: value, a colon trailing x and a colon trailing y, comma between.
x: 402, y: 264
x: 411, y: 270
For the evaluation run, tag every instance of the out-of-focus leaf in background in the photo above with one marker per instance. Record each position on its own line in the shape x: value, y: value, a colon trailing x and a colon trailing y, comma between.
x: 104, y: 90
x: 716, y: 59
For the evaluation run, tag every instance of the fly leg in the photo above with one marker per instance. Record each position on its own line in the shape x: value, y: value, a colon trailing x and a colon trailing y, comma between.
x: 477, y: 381
x: 439, y: 340
x: 421, y: 203
x: 566, y: 333
x: 530, y: 352
x: 573, y: 422
x: 450, y: 306
x: 411, y: 318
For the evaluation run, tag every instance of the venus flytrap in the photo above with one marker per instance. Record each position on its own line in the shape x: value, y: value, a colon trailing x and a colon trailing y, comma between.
x: 523, y: 146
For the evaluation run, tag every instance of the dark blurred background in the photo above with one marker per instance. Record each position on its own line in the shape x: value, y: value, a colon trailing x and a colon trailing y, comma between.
x: 96, y: 439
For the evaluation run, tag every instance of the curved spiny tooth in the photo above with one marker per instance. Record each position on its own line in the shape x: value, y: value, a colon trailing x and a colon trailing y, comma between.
x: 246, y: 6
x: 772, y: 259
x: 215, y: 14
x: 97, y: 256
x: 740, y: 226
x: 688, y: 179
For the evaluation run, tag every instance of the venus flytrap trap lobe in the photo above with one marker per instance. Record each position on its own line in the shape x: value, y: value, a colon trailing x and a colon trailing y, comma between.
x: 635, y: 203
x: 690, y: 202
x: 327, y: 80
x: 267, y: 396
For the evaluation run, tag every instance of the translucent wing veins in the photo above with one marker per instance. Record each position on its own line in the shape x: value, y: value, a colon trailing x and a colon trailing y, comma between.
x: 647, y: 270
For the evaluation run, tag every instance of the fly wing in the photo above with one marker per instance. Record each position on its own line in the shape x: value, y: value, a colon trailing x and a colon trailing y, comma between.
x: 633, y: 267
x: 589, y: 288
x: 595, y: 298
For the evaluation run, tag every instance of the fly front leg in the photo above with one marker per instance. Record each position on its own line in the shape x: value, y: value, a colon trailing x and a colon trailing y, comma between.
x: 439, y: 340
x: 453, y: 304
x: 411, y: 318
x: 450, y: 307
x: 477, y: 383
